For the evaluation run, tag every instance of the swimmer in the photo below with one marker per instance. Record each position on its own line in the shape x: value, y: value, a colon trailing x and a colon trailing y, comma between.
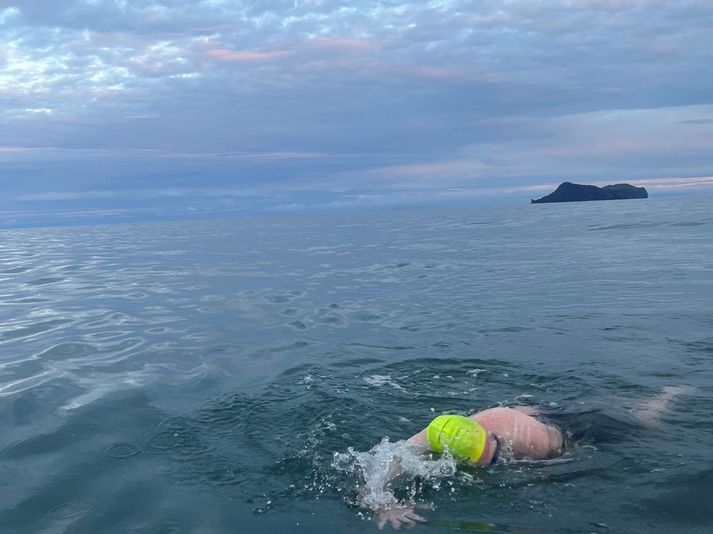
x: 485, y: 437
x: 480, y: 440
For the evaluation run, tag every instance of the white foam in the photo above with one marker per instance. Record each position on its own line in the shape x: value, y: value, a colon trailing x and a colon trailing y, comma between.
x: 381, y: 465
x: 307, y: 381
x: 382, y: 380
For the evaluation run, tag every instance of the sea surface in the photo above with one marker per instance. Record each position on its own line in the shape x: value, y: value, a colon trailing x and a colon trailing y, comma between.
x: 231, y: 376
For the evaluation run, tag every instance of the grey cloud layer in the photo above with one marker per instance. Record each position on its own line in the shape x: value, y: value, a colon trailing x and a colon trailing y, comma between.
x: 459, y: 92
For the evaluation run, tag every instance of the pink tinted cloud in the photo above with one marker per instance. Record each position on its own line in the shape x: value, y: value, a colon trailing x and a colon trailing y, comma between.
x: 224, y: 54
x: 427, y: 72
x: 674, y: 183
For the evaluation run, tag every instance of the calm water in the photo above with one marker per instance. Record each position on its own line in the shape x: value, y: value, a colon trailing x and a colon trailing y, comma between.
x: 199, y: 377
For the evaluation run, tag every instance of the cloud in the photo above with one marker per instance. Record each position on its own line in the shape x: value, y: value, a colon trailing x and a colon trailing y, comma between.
x: 697, y: 121
x: 55, y: 196
x: 675, y: 183
x: 661, y: 184
x: 245, y: 55
x: 385, y: 99
x: 341, y: 43
x: 14, y: 149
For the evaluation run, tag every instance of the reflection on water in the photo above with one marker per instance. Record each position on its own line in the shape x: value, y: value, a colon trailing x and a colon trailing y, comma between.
x: 242, y: 376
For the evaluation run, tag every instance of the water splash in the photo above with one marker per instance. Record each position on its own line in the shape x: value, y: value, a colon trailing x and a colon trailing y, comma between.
x: 392, y: 470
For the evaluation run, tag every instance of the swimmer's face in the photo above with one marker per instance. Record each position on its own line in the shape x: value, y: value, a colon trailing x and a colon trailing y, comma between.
x: 491, y: 449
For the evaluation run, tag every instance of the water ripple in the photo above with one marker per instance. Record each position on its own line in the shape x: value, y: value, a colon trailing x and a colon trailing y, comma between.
x: 141, y: 362
x: 70, y: 510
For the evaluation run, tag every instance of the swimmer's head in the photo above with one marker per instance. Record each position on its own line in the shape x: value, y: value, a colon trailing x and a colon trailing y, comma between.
x: 464, y: 438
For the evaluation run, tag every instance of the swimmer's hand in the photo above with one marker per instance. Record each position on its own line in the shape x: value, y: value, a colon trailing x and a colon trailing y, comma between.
x: 400, y: 515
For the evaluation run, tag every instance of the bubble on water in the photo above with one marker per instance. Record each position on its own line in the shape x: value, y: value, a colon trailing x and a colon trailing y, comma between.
x: 378, y: 467
x: 262, y: 504
x: 382, y: 380
x: 328, y: 425
x: 307, y: 381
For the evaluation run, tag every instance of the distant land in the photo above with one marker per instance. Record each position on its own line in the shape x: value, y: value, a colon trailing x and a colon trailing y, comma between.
x: 569, y: 192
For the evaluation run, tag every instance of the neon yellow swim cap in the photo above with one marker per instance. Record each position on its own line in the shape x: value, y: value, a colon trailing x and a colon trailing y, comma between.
x: 464, y: 437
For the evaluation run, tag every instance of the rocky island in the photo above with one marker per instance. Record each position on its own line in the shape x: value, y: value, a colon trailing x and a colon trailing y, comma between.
x: 569, y: 192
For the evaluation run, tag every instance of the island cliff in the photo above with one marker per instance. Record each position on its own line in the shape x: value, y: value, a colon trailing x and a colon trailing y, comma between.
x: 569, y: 192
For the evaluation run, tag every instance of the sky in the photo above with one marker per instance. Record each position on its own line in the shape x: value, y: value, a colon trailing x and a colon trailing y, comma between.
x: 140, y: 109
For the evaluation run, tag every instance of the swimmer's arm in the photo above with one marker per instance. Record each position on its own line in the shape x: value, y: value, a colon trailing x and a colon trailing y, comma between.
x: 395, y: 513
x: 649, y: 413
x: 420, y: 442
x: 402, y: 514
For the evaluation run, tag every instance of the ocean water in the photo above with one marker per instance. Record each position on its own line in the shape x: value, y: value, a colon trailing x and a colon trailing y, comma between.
x: 231, y: 376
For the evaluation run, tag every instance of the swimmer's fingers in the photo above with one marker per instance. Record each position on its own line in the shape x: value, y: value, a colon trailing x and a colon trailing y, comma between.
x: 414, y: 518
x: 383, y: 518
x: 399, y: 516
x: 389, y: 516
x: 410, y: 519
